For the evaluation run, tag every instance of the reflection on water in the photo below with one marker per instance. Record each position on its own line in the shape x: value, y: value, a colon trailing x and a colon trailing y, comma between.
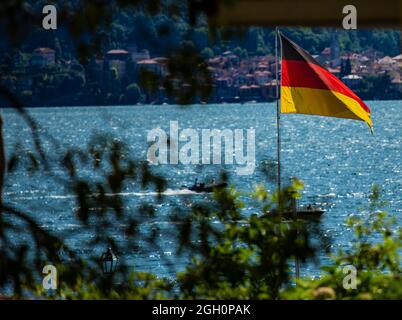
x: 338, y: 160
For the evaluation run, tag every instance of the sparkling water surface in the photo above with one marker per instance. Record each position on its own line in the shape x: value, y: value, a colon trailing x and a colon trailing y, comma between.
x: 338, y: 160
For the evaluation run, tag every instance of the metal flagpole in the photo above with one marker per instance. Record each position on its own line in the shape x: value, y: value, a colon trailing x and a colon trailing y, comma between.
x: 278, y: 57
x: 278, y: 111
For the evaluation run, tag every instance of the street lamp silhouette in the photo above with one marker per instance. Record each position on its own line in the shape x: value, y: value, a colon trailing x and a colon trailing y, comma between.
x: 109, y: 261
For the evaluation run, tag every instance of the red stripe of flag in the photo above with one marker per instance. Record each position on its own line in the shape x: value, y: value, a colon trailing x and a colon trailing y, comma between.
x: 299, y: 73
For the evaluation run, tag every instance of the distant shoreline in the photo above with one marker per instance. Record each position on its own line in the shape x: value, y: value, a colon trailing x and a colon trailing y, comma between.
x: 156, y: 104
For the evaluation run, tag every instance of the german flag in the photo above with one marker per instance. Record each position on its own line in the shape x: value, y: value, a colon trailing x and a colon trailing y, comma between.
x: 308, y: 88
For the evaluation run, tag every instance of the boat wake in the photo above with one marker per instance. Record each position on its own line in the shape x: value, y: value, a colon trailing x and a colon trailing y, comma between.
x: 167, y: 192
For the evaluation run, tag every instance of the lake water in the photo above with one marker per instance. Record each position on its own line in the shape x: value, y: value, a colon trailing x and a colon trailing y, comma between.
x: 337, y: 159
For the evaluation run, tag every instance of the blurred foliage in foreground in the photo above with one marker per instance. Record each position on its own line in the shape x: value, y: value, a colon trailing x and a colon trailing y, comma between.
x: 233, y: 255
x: 377, y: 262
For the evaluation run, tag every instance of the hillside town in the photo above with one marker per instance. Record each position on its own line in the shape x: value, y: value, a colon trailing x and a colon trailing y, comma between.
x: 114, y: 78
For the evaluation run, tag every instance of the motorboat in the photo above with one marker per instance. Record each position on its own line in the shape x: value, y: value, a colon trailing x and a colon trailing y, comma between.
x: 203, y: 187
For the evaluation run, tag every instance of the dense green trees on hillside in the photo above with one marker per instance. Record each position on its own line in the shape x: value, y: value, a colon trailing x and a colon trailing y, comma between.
x: 162, y: 33
x: 78, y: 79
